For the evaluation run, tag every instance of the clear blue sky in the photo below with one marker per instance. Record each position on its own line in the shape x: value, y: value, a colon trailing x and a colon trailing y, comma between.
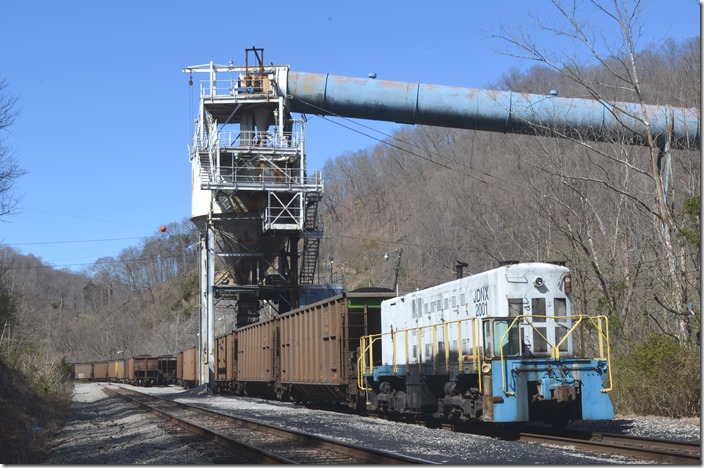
x: 104, y: 107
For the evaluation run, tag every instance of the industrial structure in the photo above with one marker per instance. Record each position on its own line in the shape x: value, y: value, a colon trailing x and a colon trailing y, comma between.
x: 256, y: 205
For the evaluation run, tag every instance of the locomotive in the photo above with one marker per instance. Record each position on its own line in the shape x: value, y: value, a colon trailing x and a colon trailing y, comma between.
x: 501, y: 346
x: 497, y: 346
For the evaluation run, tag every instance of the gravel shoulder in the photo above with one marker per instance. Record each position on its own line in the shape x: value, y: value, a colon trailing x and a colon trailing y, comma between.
x: 105, y: 430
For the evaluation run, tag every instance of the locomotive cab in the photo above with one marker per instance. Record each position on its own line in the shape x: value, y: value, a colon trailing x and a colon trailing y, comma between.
x: 523, y: 385
x: 534, y: 366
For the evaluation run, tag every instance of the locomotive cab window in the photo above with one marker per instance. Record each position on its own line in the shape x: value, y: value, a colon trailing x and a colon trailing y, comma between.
x: 538, y: 307
x: 499, y: 339
x: 560, y: 306
x: 563, y: 324
x: 515, y: 307
x: 506, y: 340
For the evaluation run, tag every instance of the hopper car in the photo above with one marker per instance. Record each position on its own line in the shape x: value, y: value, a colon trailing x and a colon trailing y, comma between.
x: 137, y: 370
x: 83, y: 371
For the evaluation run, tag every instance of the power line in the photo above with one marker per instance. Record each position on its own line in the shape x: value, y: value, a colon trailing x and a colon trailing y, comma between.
x: 97, y: 263
x: 73, y: 241
x: 66, y: 215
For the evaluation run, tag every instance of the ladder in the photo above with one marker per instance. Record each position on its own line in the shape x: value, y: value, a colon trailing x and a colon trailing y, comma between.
x: 311, y: 235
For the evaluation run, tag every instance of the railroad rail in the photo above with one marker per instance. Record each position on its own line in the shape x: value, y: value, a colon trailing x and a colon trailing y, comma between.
x: 658, y: 450
x: 261, y: 443
x: 644, y: 448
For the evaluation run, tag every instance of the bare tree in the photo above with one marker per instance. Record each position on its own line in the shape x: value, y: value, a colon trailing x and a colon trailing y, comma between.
x: 606, y: 65
x: 9, y: 170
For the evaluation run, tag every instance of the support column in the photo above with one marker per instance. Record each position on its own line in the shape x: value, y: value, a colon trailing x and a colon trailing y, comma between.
x: 211, y: 306
x: 203, y: 309
x: 206, y: 359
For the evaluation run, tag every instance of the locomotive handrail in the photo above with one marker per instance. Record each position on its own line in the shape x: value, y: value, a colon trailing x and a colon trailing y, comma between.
x: 361, y: 361
x: 603, y: 334
x: 366, y: 342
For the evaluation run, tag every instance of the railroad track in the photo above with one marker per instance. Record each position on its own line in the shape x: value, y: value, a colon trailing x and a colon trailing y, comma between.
x: 258, y: 442
x: 663, y: 451
x: 657, y: 450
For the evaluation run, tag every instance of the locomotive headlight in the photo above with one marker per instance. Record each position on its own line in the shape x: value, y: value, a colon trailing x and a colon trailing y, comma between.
x: 538, y: 282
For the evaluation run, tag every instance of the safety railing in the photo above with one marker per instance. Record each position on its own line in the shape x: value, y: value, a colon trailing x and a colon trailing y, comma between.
x: 254, y: 139
x: 580, y: 322
x: 249, y: 141
x: 450, y: 330
x: 260, y: 178
x: 236, y: 84
x: 283, y: 213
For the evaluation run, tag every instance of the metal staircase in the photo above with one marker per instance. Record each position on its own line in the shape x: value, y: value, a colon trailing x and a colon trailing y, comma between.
x: 311, y: 234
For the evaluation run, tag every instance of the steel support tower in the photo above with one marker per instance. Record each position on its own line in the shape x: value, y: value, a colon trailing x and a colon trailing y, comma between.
x: 253, y: 201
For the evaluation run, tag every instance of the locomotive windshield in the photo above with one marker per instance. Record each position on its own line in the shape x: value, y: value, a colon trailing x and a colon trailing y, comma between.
x: 499, y: 339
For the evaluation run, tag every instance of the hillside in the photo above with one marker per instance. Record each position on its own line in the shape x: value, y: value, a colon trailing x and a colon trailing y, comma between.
x: 141, y: 302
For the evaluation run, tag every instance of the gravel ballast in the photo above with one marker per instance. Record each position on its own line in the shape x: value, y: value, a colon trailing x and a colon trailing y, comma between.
x: 102, y: 430
x: 105, y: 430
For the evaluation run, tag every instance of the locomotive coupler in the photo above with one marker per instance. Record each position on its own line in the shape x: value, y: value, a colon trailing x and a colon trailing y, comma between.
x: 557, y: 385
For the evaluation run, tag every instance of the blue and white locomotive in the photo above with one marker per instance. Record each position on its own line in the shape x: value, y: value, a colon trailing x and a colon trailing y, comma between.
x: 499, y: 346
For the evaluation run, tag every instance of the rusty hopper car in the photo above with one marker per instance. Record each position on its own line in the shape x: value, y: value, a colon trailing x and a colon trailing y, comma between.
x: 142, y: 370
x: 83, y: 371
x: 100, y: 371
x: 257, y: 357
x: 166, y: 370
x: 327, y: 333
x: 226, y: 362
x: 187, y: 368
x: 117, y: 370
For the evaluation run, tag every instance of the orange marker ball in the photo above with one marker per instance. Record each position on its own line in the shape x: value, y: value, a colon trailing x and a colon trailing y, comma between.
x: 162, y: 228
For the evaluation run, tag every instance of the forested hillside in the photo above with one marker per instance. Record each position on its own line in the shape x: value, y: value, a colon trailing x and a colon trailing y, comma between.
x: 141, y: 302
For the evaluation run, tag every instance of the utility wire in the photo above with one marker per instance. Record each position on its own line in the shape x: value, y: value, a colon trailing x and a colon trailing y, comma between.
x: 73, y: 241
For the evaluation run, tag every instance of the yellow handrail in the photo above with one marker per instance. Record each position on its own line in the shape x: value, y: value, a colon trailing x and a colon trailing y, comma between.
x: 604, y: 336
x: 555, y: 348
x: 365, y: 362
x: 501, y: 359
x: 459, y: 348
x: 366, y: 358
x: 361, y: 361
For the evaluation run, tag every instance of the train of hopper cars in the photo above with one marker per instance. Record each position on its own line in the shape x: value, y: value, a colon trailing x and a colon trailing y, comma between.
x: 499, y: 346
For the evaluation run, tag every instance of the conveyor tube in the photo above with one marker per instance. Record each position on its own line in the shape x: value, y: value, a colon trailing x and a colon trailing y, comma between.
x: 488, y: 110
